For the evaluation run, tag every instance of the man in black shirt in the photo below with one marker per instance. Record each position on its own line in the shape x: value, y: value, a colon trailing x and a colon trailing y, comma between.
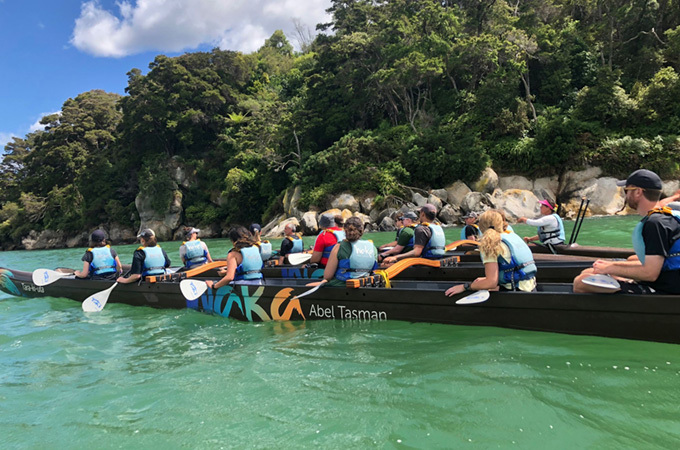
x: 653, y: 268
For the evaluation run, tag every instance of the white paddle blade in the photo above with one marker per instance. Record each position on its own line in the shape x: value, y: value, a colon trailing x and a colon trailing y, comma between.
x: 312, y: 290
x: 192, y: 289
x: 477, y: 297
x: 602, y: 281
x: 96, y: 302
x: 43, y: 277
x: 299, y: 258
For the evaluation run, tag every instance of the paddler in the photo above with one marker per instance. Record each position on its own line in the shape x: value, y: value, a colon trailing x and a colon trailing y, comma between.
x: 193, y: 252
x: 353, y: 257
x: 149, y: 259
x: 399, y: 225
x: 330, y: 235
x: 264, y: 246
x: 471, y: 230
x: 655, y: 268
x: 244, y: 263
x: 405, y: 238
x: 508, y: 261
x: 100, y: 261
x: 292, y: 242
x: 428, y: 237
x: 550, y: 226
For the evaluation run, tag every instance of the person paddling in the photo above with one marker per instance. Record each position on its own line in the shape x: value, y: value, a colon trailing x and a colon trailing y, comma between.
x: 550, y: 226
x: 655, y: 268
x: 471, y: 230
x: 429, y: 240
x: 193, y: 252
x: 244, y: 263
x: 330, y: 235
x: 353, y: 257
x: 100, y: 262
x: 406, y: 237
x: 508, y: 261
x: 265, y: 247
x: 149, y: 259
x: 292, y: 242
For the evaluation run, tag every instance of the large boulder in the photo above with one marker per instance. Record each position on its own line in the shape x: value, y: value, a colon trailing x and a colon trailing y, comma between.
x: 457, y: 192
x: 43, y: 240
x: 669, y: 187
x: 79, y: 240
x: 546, y: 188
x: 605, y: 197
x: 276, y: 230
x: 163, y: 223
x: 367, y: 203
x: 387, y: 224
x: 389, y: 212
x: 366, y: 220
x: 575, y: 181
x: 449, y: 215
x: 436, y: 201
x: 487, y: 182
x: 346, y: 201
x: 309, y: 224
x: 419, y: 200
x: 441, y: 194
x: 291, y: 198
x: 515, y: 182
x: 476, y: 201
x: 517, y: 203
x: 121, y: 234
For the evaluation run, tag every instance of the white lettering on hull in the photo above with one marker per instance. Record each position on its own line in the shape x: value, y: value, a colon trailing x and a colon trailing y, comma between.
x: 345, y: 313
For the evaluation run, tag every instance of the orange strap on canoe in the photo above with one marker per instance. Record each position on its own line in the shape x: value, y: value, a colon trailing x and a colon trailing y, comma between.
x: 455, y: 244
x: 382, y: 277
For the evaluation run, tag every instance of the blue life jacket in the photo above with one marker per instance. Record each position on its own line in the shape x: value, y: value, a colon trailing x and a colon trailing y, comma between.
x: 672, y: 261
x: 462, y: 232
x: 154, y: 261
x: 251, y: 266
x: 435, y: 246
x: 521, y: 265
x: 361, y: 262
x: 339, y: 235
x: 549, y: 234
x: 298, y: 246
x: 265, y: 250
x: 102, y: 260
x: 195, y: 254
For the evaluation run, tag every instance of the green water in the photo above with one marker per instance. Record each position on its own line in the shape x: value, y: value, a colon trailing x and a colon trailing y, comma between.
x: 143, y: 378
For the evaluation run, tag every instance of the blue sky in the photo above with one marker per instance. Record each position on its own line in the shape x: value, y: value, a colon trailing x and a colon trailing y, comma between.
x: 54, y: 50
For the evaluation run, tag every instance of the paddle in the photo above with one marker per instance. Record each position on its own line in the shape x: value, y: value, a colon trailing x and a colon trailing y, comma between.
x: 43, y: 277
x: 192, y: 289
x: 477, y: 297
x: 96, y: 302
x: 602, y: 281
x: 312, y: 290
x: 384, y: 276
x: 299, y: 258
x: 454, y: 244
x: 189, y: 273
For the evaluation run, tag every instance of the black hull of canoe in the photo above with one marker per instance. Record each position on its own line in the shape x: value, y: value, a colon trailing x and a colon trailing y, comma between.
x: 554, y: 308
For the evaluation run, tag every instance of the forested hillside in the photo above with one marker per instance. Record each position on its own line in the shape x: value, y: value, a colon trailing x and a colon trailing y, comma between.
x: 391, y: 94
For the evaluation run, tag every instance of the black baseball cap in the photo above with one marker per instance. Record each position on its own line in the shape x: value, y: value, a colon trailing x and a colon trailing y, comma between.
x: 642, y: 178
x: 98, y: 236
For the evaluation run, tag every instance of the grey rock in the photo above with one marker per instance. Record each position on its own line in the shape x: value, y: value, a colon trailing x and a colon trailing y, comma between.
x: 515, y: 182
x: 487, y: 182
x: 419, y: 200
x: 457, y: 192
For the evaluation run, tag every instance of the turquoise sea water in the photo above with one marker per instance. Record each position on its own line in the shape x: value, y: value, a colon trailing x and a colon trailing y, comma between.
x: 143, y: 378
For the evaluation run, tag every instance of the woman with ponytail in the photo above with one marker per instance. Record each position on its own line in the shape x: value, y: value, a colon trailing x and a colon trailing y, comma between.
x: 352, y: 258
x: 508, y: 261
x: 244, y: 263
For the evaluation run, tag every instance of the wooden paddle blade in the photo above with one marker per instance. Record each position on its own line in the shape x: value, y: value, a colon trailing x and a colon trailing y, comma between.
x: 477, y: 297
x: 602, y: 281
x: 299, y: 258
x: 43, y: 277
x: 192, y: 289
x: 96, y: 302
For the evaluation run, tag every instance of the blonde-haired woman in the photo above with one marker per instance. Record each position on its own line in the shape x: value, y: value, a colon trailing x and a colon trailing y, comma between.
x: 352, y: 258
x: 508, y: 261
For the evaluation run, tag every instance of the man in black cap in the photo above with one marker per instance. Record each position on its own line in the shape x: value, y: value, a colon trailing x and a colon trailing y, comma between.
x: 656, y: 240
x: 100, y: 262
x: 428, y: 237
x: 470, y: 231
x: 405, y: 238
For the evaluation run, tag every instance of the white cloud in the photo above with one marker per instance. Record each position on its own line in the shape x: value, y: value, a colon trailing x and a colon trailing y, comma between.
x: 5, y: 137
x: 37, y: 125
x: 177, y: 25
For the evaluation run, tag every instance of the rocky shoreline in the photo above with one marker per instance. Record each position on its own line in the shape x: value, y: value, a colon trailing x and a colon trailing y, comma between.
x: 517, y: 196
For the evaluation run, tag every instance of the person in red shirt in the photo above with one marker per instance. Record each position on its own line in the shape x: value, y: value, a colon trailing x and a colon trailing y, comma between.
x: 330, y: 235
